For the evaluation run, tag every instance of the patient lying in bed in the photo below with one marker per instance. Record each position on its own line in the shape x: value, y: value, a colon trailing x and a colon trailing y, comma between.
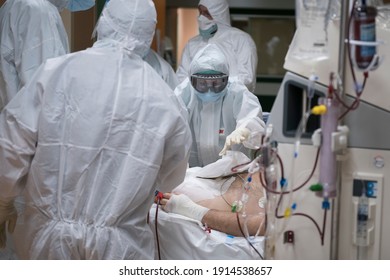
x: 211, y: 215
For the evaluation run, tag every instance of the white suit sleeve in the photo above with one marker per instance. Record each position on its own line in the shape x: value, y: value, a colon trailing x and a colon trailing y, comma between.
x: 248, y: 113
x: 18, y: 138
x: 42, y: 36
x: 247, y: 61
x: 176, y: 153
x: 175, y: 161
x: 182, y: 70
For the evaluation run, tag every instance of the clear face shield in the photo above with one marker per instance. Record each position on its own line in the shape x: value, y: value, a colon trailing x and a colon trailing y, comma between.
x: 213, y: 81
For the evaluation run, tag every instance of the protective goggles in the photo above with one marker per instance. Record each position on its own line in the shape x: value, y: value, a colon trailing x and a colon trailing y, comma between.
x: 213, y: 82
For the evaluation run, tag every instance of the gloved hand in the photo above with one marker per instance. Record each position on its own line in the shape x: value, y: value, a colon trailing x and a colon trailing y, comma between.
x: 236, y: 137
x: 8, y: 216
x: 183, y: 205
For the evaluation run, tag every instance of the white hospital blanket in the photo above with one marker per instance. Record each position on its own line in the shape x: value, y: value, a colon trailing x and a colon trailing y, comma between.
x: 181, y: 238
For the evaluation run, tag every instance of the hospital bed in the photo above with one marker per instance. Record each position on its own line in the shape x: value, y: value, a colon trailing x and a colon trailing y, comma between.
x: 178, y: 237
x: 181, y: 238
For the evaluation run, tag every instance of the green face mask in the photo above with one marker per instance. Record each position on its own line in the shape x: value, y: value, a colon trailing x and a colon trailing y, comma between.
x: 207, y: 27
x: 208, y: 33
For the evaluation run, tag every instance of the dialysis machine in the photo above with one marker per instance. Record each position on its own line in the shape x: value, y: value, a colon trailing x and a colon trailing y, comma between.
x: 329, y: 121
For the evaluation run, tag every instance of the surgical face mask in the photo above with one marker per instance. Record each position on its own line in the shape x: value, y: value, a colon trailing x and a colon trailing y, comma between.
x: 207, y: 27
x: 80, y: 5
x: 212, y: 81
x: 209, y: 96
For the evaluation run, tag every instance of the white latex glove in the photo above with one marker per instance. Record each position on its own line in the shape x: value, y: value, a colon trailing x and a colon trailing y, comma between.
x: 183, y: 205
x: 236, y: 137
x: 8, y: 216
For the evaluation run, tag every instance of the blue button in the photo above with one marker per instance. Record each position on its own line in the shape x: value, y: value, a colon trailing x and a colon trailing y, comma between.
x: 370, y: 193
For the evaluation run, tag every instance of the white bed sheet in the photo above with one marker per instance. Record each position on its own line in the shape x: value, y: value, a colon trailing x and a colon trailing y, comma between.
x: 181, y: 238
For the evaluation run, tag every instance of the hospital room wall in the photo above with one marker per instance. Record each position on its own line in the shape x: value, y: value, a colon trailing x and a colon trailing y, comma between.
x: 80, y: 25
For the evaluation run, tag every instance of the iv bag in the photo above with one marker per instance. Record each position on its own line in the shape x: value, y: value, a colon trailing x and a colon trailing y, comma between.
x: 310, y: 41
x: 383, y: 17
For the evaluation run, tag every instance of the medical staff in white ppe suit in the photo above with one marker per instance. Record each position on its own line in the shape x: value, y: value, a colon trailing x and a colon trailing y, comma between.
x: 163, y: 68
x: 31, y: 31
x: 238, y: 46
x: 223, y: 113
x: 89, y: 139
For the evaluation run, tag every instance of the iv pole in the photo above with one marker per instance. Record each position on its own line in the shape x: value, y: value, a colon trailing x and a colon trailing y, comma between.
x: 342, y: 61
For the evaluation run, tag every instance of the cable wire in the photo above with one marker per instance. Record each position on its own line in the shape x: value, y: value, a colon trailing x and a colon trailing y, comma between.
x: 246, y: 238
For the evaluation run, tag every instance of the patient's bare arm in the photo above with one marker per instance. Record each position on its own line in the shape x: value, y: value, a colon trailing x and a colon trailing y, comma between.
x: 217, y: 219
x: 227, y: 222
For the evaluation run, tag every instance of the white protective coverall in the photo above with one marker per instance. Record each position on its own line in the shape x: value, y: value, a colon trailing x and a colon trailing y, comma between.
x: 163, y: 68
x: 237, y: 45
x: 212, y: 122
x: 31, y: 31
x: 89, y: 140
